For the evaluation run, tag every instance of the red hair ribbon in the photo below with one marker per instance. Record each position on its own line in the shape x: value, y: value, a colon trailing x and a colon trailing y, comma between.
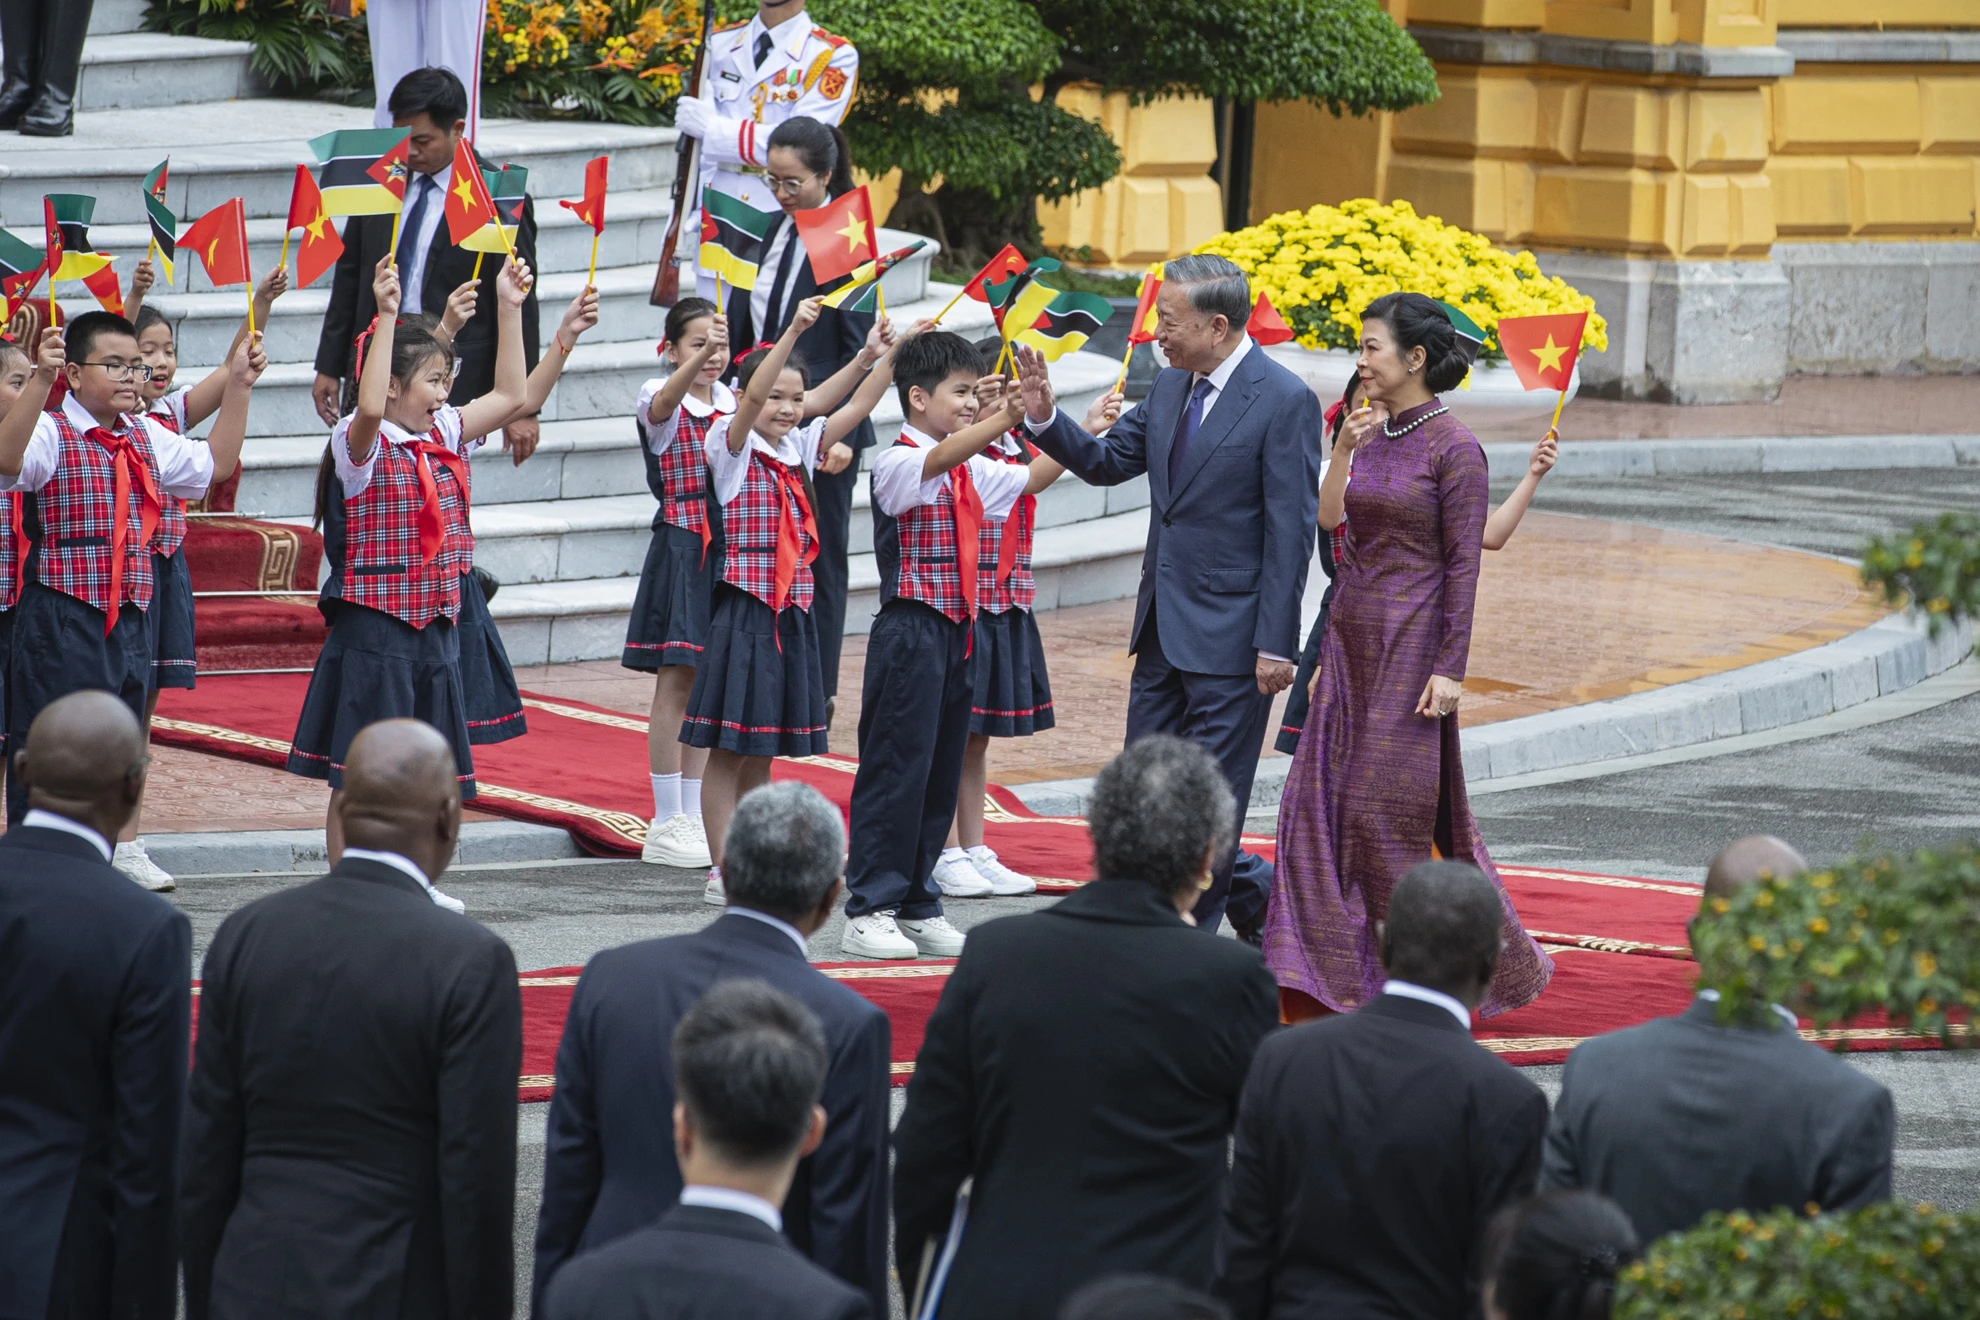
x: 1334, y: 411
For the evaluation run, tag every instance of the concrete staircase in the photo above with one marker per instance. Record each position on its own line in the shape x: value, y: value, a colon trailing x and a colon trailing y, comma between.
x: 566, y: 532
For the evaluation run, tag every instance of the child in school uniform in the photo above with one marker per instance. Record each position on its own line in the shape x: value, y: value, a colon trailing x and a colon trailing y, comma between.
x: 759, y: 689
x: 396, y: 501
x: 98, y: 467
x: 941, y: 490
x: 668, y: 630
x: 15, y: 365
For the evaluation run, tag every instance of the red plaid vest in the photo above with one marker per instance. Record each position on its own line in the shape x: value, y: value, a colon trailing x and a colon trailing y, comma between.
x: 997, y: 589
x: 384, y: 567
x: 751, y: 521
x: 678, y: 478
x: 171, y: 533
x: 72, y: 526
x: 13, y: 549
x: 929, y: 571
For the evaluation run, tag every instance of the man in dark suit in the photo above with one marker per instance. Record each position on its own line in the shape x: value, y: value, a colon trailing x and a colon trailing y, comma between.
x: 95, y: 990
x: 749, y: 1065
x: 1689, y: 1114
x: 609, y: 1166
x: 351, y: 1138
x: 1373, y: 1146
x: 1230, y: 441
x: 432, y: 105
x: 1084, y: 1062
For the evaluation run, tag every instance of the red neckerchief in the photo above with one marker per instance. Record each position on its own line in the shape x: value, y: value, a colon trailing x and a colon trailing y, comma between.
x: 432, y: 522
x: 119, y: 445
x: 969, y: 521
x: 18, y: 517
x: 790, y: 486
x: 1017, y: 526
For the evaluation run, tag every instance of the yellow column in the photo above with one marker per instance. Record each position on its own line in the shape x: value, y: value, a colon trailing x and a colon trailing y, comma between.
x: 1162, y: 203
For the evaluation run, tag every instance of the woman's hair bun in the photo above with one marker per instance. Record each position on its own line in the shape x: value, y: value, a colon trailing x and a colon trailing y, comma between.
x: 1420, y: 322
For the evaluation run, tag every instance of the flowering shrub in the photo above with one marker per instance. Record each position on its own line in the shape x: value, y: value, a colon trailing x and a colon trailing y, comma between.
x: 1886, y: 1262
x: 1324, y: 266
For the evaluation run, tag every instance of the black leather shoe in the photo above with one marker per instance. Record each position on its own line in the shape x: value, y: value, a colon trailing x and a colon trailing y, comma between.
x: 20, y: 36
x: 53, y: 112
x: 14, y: 98
x: 50, y: 116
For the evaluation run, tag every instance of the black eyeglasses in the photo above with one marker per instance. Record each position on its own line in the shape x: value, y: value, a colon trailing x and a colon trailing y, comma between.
x: 121, y: 370
x: 791, y: 186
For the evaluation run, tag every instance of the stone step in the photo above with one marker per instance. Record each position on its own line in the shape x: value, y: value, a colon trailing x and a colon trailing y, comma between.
x: 224, y: 149
x: 150, y: 70
x: 110, y: 17
x: 554, y: 622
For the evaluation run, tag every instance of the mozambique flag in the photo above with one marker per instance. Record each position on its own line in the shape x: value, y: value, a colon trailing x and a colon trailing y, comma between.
x: 732, y: 236
x: 1542, y: 349
x: 20, y: 270
x: 1143, y: 329
x: 364, y: 170
x: 839, y: 236
x: 220, y: 239
x: 163, y: 223
x: 1266, y: 325
x: 321, y: 243
x: 66, y: 218
x: 1061, y: 323
x: 862, y: 292
x: 468, y: 205
x: 508, y: 189
x: 1005, y: 264
x: 1003, y: 293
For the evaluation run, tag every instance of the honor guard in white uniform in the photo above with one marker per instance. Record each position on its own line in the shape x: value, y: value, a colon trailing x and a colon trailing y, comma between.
x: 755, y: 76
x: 415, y: 34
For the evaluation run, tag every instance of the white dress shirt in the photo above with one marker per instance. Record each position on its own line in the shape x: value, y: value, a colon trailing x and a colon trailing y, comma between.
x: 357, y: 476
x: 413, y: 247
x: 1423, y: 993
x: 728, y: 1198
x: 797, y: 936
x: 660, y: 435
x: 173, y: 408
x: 1786, y: 1015
x: 185, y: 467
x: 36, y: 818
x: 766, y: 273
x: 727, y: 471
x: 400, y: 862
x: 898, y: 487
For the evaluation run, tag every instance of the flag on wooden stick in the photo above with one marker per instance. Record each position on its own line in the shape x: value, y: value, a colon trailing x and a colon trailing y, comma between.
x: 321, y: 243
x: 839, y: 237
x: 364, y: 170
x: 508, y: 189
x: 732, y: 237
x: 163, y: 223
x: 1266, y: 326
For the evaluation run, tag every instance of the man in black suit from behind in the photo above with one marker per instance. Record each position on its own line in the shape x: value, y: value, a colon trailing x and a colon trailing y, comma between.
x: 1373, y: 1146
x: 1084, y: 1062
x: 95, y: 989
x: 1689, y: 1114
x: 749, y: 1066
x: 432, y: 105
x: 610, y: 1166
x: 350, y: 1142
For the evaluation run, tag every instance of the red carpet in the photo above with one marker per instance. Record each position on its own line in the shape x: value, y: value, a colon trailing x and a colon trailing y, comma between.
x: 256, y: 629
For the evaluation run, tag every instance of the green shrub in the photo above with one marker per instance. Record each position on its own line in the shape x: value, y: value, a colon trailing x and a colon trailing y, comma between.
x: 1935, y: 566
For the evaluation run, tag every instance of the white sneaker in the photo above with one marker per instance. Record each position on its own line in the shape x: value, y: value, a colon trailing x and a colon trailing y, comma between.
x: 958, y: 879
x: 676, y: 841
x: 448, y: 901
x: 934, y: 936
x: 1004, y: 882
x: 715, y: 893
x: 135, y: 862
x: 875, y: 936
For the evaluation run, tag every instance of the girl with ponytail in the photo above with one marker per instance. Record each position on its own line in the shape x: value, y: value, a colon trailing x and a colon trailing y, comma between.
x: 1555, y: 1256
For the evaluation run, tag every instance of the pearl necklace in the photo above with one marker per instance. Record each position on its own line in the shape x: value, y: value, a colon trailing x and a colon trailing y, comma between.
x: 1397, y: 435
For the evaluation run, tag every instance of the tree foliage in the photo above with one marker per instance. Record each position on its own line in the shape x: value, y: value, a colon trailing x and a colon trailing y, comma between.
x: 1935, y: 566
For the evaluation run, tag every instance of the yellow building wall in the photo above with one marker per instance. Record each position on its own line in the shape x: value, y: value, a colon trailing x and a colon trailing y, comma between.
x: 1163, y: 203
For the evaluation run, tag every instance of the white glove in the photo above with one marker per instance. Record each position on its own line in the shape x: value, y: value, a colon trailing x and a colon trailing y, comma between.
x: 691, y: 116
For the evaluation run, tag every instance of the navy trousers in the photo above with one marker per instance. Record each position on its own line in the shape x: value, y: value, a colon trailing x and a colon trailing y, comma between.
x: 913, y: 727
x: 828, y: 571
x: 1226, y: 715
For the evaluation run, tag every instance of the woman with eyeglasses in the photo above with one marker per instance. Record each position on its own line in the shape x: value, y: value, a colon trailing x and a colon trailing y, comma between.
x: 807, y: 165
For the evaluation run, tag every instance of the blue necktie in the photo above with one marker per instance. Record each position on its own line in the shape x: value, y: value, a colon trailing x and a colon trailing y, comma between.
x: 1186, y: 428
x: 409, y: 231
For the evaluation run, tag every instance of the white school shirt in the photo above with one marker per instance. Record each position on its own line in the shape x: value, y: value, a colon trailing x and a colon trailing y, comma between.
x: 173, y: 406
x: 185, y: 467
x: 412, y: 267
x: 727, y: 471
x: 36, y: 818
x: 398, y: 862
x: 357, y: 476
x: 898, y: 487
x: 658, y: 436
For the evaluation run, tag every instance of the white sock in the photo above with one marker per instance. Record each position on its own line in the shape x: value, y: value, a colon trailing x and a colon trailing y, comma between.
x: 953, y: 854
x: 691, y: 796
x: 981, y: 850
x: 666, y: 796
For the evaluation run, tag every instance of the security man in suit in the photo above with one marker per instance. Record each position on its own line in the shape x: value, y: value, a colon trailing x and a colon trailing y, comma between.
x: 1230, y: 441
x: 95, y: 993
x: 433, y: 105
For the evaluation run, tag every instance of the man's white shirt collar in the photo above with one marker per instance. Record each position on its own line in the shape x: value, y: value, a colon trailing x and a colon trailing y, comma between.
x: 1711, y: 996
x: 728, y: 1198
x: 36, y: 818
x: 1222, y: 375
x: 397, y: 862
x: 1424, y: 994
x: 797, y: 936
x: 788, y: 35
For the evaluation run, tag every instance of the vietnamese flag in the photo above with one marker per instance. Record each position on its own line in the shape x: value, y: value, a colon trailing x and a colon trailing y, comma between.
x: 839, y: 236
x: 1266, y: 325
x: 321, y: 243
x: 591, y: 207
x: 999, y: 268
x: 107, y: 288
x: 1542, y: 349
x: 1143, y: 329
x: 220, y: 239
x: 468, y: 203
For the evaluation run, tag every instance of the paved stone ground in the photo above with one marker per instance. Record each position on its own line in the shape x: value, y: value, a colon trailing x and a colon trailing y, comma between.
x: 1808, y: 405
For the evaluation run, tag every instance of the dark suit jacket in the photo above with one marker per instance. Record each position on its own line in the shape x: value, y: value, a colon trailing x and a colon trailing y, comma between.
x: 1083, y: 1065
x: 833, y: 340
x: 95, y: 988
x: 608, y: 1166
x: 1371, y: 1150
x: 1684, y: 1115
x: 366, y: 239
x: 351, y: 1138
x: 700, y: 1263
x: 1229, y: 542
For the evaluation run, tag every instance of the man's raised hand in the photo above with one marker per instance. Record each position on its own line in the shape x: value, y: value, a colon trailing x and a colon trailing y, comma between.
x: 1035, y: 384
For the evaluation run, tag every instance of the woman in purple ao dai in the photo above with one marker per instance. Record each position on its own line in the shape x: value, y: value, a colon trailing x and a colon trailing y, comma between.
x: 1378, y: 784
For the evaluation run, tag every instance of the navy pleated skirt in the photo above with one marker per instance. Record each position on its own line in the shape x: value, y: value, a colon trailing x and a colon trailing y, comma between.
x: 670, y: 613
x: 1013, y: 696
x: 488, y: 681
x: 759, y: 690
x: 173, y: 666
x: 376, y: 667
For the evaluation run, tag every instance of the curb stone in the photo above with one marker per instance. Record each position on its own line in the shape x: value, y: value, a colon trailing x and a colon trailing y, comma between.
x: 245, y: 852
x: 1744, y: 455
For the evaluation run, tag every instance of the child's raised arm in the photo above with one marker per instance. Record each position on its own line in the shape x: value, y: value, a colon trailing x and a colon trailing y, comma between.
x: 460, y: 310
x: 141, y: 281
x: 864, y: 400
x: 243, y: 370
x: 375, y: 373
x: 579, y: 317
x: 1044, y: 468
x: 671, y: 395
x: 972, y: 439
x: 488, y: 412
x: 821, y: 399
x: 204, y: 397
x: 17, y: 427
x: 1505, y: 519
x: 750, y: 406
